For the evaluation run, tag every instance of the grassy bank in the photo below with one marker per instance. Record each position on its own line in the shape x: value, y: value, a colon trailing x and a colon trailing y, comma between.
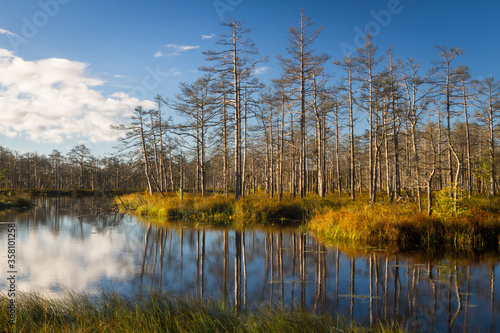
x: 162, y: 313
x: 337, y: 220
x: 402, y: 228
x: 219, y: 209
x: 14, y: 201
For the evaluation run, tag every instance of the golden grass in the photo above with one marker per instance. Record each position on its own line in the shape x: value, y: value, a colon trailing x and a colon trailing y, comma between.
x: 217, y: 208
x: 211, y: 209
x: 402, y: 228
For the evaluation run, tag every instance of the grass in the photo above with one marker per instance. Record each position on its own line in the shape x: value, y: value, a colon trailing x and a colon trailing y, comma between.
x: 219, y: 209
x: 261, y: 209
x: 337, y: 220
x: 14, y: 200
x: 158, y: 312
x: 401, y: 228
x: 215, y: 209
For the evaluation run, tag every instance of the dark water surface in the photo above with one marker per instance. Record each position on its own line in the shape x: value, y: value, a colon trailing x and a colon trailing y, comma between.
x: 76, y: 244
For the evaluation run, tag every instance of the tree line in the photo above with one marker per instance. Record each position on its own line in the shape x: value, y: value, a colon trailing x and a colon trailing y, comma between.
x: 78, y: 169
x: 383, y: 125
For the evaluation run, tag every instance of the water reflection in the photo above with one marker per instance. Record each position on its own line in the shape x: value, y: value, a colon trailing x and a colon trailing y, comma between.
x: 79, y: 245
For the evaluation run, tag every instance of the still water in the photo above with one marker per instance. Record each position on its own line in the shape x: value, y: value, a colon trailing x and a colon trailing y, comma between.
x: 79, y: 245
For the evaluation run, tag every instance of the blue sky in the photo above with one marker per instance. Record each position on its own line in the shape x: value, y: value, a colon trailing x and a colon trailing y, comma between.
x: 70, y: 68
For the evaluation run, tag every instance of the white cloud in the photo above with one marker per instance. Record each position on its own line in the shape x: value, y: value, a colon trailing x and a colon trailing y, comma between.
x: 182, y: 48
x: 177, y: 49
x: 7, y: 32
x: 260, y: 70
x: 161, y: 54
x: 50, y: 100
x: 207, y: 36
x: 174, y: 72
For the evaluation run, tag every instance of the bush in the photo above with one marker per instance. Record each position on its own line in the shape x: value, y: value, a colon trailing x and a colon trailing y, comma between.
x: 445, y: 203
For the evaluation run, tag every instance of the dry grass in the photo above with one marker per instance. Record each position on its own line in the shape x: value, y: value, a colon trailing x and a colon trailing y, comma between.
x: 219, y: 209
x: 211, y: 209
x: 402, y: 228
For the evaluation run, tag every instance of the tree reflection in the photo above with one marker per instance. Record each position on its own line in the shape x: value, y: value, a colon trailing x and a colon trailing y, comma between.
x: 237, y: 270
x: 226, y: 264
x: 270, y: 265
x: 146, y: 245
x: 492, y: 293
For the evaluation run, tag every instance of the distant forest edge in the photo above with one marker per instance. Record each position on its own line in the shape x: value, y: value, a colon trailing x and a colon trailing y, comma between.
x: 383, y: 126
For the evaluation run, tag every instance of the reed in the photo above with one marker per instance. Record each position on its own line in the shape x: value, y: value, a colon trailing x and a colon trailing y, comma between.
x: 159, y: 312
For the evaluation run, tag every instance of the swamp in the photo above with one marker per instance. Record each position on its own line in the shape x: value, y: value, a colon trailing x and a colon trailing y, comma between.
x: 73, y: 249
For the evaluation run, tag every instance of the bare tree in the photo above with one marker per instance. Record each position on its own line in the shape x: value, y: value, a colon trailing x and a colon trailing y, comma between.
x: 196, y: 104
x: 446, y: 81
x: 487, y: 99
x: 136, y: 142
x: 281, y: 92
x: 349, y: 65
x: 237, y: 61
x: 463, y: 78
x: 367, y: 59
x: 80, y: 155
x: 417, y: 91
x: 299, y: 69
x: 221, y: 92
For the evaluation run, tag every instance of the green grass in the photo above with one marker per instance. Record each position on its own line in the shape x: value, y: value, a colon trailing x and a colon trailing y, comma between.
x: 157, y: 312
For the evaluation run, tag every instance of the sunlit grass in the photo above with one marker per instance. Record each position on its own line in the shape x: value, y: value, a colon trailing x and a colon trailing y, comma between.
x: 157, y: 312
x: 403, y: 228
x: 216, y: 208
x: 219, y: 209
x: 260, y: 208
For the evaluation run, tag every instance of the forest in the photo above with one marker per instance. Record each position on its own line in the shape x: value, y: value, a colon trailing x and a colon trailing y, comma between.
x: 382, y: 126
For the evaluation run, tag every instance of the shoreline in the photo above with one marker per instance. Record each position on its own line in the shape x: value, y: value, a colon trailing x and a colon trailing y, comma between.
x: 396, y: 227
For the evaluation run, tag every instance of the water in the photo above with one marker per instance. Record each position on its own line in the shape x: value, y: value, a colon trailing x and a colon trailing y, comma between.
x: 78, y: 245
